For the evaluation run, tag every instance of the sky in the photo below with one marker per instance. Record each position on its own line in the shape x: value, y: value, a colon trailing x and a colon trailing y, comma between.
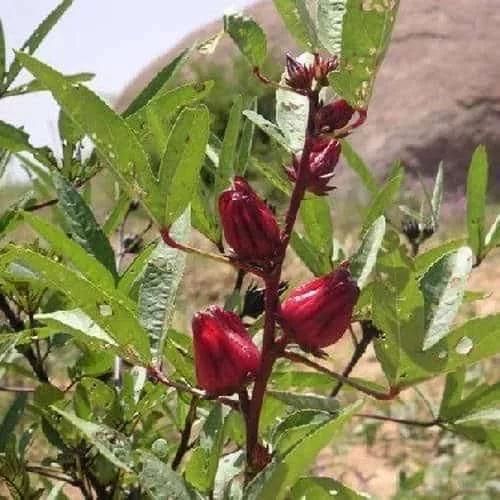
x: 114, y: 39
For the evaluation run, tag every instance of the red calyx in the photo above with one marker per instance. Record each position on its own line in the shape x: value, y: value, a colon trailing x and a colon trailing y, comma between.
x: 302, y: 77
x: 323, y: 159
x: 225, y: 357
x: 250, y: 227
x: 334, y: 116
x: 317, y: 313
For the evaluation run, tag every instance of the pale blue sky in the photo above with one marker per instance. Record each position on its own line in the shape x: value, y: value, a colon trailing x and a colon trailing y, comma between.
x: 112, y: 38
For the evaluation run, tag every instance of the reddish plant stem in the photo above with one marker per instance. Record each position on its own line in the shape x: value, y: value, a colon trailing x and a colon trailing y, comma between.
x: 270, y: 349
x: 404, y: 421
x: 186, y: 434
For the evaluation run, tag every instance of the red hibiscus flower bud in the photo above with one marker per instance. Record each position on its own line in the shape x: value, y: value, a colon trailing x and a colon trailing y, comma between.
x: 225, y: 356
x: 302, y: 76
x: 317, y: 313
x: 333, y: 116
x: 323, y: 159
x: 249, y: 225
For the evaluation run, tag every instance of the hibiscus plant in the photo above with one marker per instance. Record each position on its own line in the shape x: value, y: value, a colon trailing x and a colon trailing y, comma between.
x: 107, y: 395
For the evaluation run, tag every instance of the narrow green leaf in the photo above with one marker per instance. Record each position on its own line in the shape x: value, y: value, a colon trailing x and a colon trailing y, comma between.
x: 36, y: 38
x: 437, y: 196
x: 317, y: 218
x: 275, y: 178
x: 162, y: 108
x: 486, y: 435
x: 2, y: 54
x: 425, y: 260
x: 157, y: 83
x: 130, y: 279
x: 366, y: 32
x: 161, y: 482
x: 248, y: 36
x: 91, y: 268
x: 269, y: 128
x: 246, y: 142
x: 492, y: 239
x: 365, y: 258
x: 306, y: 251
x: 452, y: 394
x: 329, y: 20
x: 276, y: 479
x: 204, y: 218
x: 477, y: 181
x: 159, y: 286
x: 384, y: 198
x: 298, y: 22
x: 116, y: 216
x: 112, y: 137
x: 15, y: 140
x: 11, y: 418
x: 307, y: 401
x: 443, y: 286
x: 181, y: 163
x: 37, y: 86
x: 113, y: 445
x: 112, y: 311
x: 292, y: 111
x: 358, y: 165
x: 82, y: 224
x: 323, y: 488
x: 202, y: 467
x: 227, y: 155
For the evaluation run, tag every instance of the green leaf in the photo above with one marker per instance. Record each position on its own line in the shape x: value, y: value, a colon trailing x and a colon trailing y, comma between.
x: 358, y: 165
x: 161, y: 482
x: 114, y: 219
x: 112, y: 311
x: 112, y: 137
x: 248, y: 36
x: 275, y: 179
x: 366, y: 32
x: 306, y: 401
x: 298, y: 22
x: 323, y: 488
x: 452, y: 394
x: 11, y: 418
x: 329, y: 20
x: 477, y: 181
x: 365, y: 258
x: 113, y: 445
x: 91, y: 268
x: 246, y: 142
x: 269, y: 128
x: 15, y: 140
x: 36, y: 38
x: 443, y: 286
x: 306, y: 251
x: 437, y: 196
x: 227, y: 155
x: 160, y: 110
x: 485, y: 435
x: 292, y: 111
x: 383, y: 200
x: 202, y: 467
x: 159, y: 286
x: 181, y: 163
x: 276, y: 479
x: 295, y: 427
x: 317, y: 219
x: 2, y: 54
x: 82, y: 224
x: 492, y: 239
x: 425, y: 260
x: 37, y: 86
x: 131, y: 278
x: 230, y: 466
x: 157, y: 83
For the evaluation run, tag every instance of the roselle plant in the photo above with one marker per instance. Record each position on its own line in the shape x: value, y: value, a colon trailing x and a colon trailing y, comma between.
x: 107, y: 394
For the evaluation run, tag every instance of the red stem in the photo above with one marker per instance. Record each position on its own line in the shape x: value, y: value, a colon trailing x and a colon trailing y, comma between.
x: 270, y: 349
